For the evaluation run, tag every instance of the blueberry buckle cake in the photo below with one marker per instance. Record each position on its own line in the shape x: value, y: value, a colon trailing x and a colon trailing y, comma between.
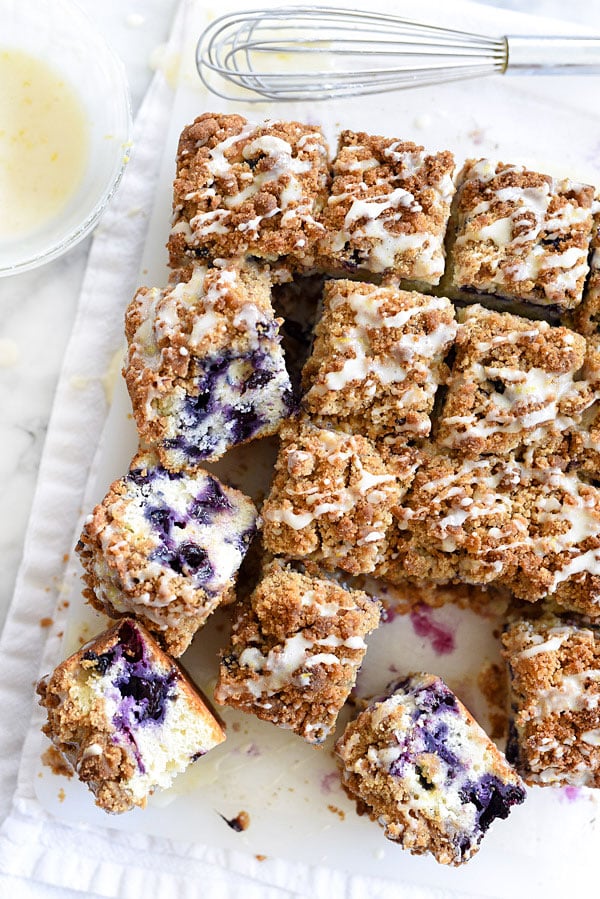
x: 378, y: 360
x: 245, y: 189
x: 125, y: 717
x: 205, y: 369
x: 295, y: 651
x: 425, y: 770
x: 388, y: 210
x: 332, y: 497
x: 514, y: 383
x: 521, y: 235
x: 554, y: 665
x: 166, y: 547
x: 428, y: 446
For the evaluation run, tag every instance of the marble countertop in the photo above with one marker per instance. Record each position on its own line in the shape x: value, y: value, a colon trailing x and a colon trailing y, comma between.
x: 37, y: 308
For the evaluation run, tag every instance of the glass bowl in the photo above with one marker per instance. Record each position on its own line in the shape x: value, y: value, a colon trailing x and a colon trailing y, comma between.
x: 59, y: 35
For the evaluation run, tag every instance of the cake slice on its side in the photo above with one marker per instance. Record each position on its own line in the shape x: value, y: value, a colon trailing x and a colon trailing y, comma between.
x: 165, y: 547
x: 125, y: 717
x: 426, y: 771
x: 554, y: 667
x: 295, y: 651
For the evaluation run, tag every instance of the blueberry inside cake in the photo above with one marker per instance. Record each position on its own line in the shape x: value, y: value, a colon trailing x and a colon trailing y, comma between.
x: 166, y: 546
x: 426, y: 771
x: 126, y: 717
x: 205, y: 369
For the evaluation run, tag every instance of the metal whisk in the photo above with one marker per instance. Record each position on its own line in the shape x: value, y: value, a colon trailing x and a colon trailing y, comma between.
x: 320, y: 53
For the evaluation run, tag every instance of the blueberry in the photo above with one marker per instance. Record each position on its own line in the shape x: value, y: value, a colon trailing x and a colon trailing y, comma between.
x: 492, y: 798
x: 245, y: 423
x: 150, y: 695
x: 188, y: 560
x: 195, y: 407
x: 555, y: 243
x: 102, y: 662
x: 258, y: 379
x: 512, y: 744
x: 140, y: 476
x: 131, y: 642
x: 211, y: 499
x: 288, y: 400
x: 194, y: 561
x: 161, y: 519
x: 435, y: 697
x: 435, y: 741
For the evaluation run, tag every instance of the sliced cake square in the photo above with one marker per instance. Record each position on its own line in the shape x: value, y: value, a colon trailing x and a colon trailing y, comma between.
x: 378, y: 360
x: 421, y: 766
x: 205, y: 370
x: 165, y: 547
x: 295, y: 651
x: 126, y: 717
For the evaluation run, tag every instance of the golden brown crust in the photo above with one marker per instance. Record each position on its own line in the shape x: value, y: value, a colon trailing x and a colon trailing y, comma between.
x: 555, y: 693
x: 177, y: 336
x: 84, y: 733
x: 377, y: 361
x: 513, y: 383
x: 118, y: 549
x: 311, y: 632
x: 258, y: 195
x: 388, y: 209
x: 521, y: 234
x: 332, y: 497
x: 402, y: 782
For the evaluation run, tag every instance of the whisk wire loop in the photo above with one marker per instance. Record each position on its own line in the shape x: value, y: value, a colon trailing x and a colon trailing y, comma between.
x: 274, y: 54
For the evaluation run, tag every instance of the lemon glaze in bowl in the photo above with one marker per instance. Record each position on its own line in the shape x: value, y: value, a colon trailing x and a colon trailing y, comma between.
x: 65, y: 121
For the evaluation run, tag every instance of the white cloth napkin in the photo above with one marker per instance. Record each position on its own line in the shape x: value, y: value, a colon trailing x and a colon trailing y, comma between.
x: 39, y: 855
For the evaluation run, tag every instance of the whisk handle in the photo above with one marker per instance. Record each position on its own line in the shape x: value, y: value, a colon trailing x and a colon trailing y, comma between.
x: 552, y: 55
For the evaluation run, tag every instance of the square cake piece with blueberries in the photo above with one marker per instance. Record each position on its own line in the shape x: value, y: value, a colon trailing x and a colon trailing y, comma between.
x: 420, y: 765
x: 378, y: 360
x: 125, y: 717
x: 521, y: 235
x: 165, y: 547
x: 247, y: 190
x: 388, y: 210
x: 514, y: 384
x: 332, y: 497
x: 205, y: 369
x: 296, y: 647
x: 554, y: 667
